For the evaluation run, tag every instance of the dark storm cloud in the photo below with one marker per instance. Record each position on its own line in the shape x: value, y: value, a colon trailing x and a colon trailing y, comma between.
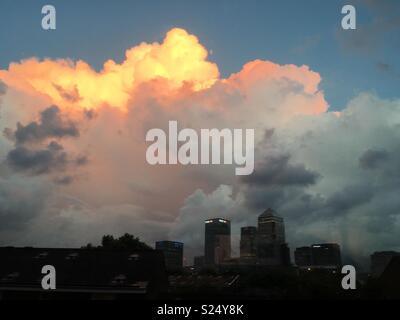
x: 372, y: 159
x: 261, y: 198
x: 50, y: 125
x: 38, y: 161
x: 20, y: 202
x: 32, y: 155
x: 279, y: 172
x: 349, y: 197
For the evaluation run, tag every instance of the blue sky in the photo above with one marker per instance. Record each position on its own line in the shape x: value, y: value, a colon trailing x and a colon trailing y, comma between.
x: 237, y: 31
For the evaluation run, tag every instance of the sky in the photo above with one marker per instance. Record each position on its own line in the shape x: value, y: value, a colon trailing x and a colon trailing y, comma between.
x: 76, y: 103
x: 298, y: 32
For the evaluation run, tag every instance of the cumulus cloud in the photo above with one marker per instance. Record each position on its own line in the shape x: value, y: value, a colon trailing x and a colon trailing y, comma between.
x: 180, y: 59
x: 352, y: 201
x: 332, y: 176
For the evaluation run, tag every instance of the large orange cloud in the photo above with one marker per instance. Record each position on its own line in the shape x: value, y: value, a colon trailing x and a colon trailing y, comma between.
x: 176, y: 66
x: 180, y: 59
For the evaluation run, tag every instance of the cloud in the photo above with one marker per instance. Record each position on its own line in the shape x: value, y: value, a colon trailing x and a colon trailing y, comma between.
x: 36, y: 152
x: 180, y: 59
x: 21, y: 201
x: 38, y: 161
x: 348, y: 198
x: 276, y: 170
x: 371, y: 159
x: 333, y: 179
x: 3, y: 88
x: 63, y: 221
x: 50, y: 125
x: 313, y: 166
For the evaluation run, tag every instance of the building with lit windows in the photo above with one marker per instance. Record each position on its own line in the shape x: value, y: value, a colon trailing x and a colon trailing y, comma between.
x: 173, y: 254
x: 272, y: 249
x: 217, y: 246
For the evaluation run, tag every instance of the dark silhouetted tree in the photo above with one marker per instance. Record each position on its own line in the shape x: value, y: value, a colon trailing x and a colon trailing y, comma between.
x: 125, y: 242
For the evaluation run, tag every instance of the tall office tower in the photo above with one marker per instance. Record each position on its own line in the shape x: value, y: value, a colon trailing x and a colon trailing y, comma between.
x: 326, y: 255
x: 271, y: 246
x: 303, y: 257
x: 217, y: 241
x: 173, y: 254
x: 271, y: 227
x: 248, y: 237
x: 380, y: 260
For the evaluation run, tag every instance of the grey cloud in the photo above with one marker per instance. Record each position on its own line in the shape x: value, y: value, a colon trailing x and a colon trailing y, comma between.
x: 38, y: 161
x: 276, y: 170
x: 20, y: 202
x: 349, y: 197
x: 260, y: 198
x: 70, y: 222
x: 50, y: 125
x: 372, y: 159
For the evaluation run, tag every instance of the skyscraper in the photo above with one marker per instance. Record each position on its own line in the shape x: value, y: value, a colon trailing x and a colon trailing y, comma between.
x: 217, y: 241
x: 173, y: 254
x: 248, y: 237
x: 271, y: 227
x: 303, y: 257
x: 271, y: 246
x: 380, y: 260
x: 326, y: 255
x: 323, y: 256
